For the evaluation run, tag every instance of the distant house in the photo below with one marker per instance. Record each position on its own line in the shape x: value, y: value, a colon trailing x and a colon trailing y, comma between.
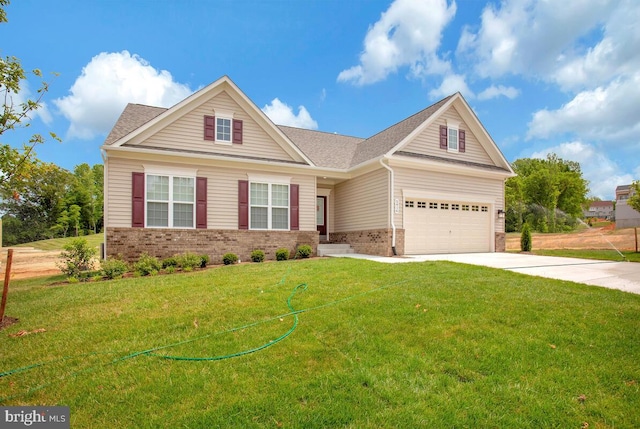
x: 626, y: 216
x: 213, y: 174
x: 600, y: 209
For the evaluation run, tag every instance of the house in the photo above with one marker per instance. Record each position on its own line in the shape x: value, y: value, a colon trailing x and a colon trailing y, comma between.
x: 599, y: 209
x: 626, y: 216
x: 213, y: 174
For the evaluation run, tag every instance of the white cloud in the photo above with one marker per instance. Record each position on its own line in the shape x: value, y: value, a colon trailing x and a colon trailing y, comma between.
x: 282, y: 114
x: 603, y: 174
x: 450, y: 85
x: 110, y: 81
x: 539, y: 38
x: 496, y: 91
x: 407, y: 34
x: 611, y: 112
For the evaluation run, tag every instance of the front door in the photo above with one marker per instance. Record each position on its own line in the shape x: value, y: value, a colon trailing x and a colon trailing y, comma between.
x: 321, y: 215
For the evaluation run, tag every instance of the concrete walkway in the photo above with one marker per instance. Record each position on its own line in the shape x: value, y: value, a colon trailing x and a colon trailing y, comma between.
x: 613, y: 275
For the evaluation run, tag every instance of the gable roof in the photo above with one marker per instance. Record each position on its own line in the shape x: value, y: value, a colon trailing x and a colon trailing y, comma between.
x: 321, y: 149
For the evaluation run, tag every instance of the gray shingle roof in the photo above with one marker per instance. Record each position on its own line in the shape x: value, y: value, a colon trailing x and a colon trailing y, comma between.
x: 133, y: 116
x: 328, y: 150
x: 324, y: 149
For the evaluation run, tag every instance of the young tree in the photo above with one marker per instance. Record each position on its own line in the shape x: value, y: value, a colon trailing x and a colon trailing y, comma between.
x: 634, y: 200
x: 15, y: 164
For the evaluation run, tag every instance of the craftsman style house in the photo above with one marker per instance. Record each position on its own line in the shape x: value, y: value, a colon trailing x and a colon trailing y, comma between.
x: 213, y: 174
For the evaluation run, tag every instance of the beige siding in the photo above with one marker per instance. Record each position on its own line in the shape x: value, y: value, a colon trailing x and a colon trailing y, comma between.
x: 428, y: 142
x: 222, y: 194
x: 187, y: 133
x: 363, y: 202
x: 449, y: 184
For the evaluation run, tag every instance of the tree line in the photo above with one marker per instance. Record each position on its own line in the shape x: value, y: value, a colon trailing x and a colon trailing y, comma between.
x: 51, y: 202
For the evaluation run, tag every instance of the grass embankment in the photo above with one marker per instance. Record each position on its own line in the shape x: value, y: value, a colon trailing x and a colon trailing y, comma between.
x: 94, y: 240
x: 604, y: 255
x: 405, y: 345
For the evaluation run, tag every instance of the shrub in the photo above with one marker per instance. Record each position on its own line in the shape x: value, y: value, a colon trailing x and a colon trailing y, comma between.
x: 257, y: 255
x: 204, y: 260
x: 147, y: 265
x: 525, y: 239
x: 170, y: 269
x: 114, y: 268
x: 282, y: 254
x: 229, y: 258
x: 304, y: 251
x: 77, y: 257
x: 171, y: 261
x: 188, y: 261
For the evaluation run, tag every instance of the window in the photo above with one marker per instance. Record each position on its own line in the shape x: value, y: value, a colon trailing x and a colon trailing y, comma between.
x: 422, y: 204
x: 452, y: 143
x: 268, y: 206
x: 474, y: 208
x: 408, y: 203
x: 485, y: 208
x: 465, y: 207
x: 444, y: 206
x: 455, y: 206
x: 223, y: 129
x: 433, y: 205
x: 170, y: 201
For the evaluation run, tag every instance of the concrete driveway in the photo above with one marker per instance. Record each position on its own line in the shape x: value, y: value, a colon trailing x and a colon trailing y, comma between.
x: 613, y: 275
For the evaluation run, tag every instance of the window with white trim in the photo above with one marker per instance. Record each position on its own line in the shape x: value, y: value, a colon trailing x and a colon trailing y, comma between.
x: 452, y: 139
x: 223, y: 129
x: 268, y: 206
x: 170, y: 201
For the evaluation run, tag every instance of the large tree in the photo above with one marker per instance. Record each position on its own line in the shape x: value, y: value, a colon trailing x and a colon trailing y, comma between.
x: 547, y: 193
x: 15, y: 164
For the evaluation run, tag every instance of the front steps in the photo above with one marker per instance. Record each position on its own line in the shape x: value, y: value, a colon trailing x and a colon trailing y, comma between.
x: 334, y: 249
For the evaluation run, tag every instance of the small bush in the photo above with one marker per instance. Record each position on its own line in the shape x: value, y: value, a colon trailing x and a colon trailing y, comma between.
x: 171, y: 261
x: 77, y: 257
x: 304, y: 251
x: 188, y: 261
x: 257, y: 256
x: 204, y: 260
x: 525, y: 239
x: 147, y: 265
x: 282, y: 254
x: 229, y: 258
x: 114, y: 268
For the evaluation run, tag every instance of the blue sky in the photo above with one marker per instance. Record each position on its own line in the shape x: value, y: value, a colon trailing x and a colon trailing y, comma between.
x: 541, y: 79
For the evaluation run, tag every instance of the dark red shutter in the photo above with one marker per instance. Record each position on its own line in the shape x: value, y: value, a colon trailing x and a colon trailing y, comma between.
x: 210, y: 128
x: 295, y: 207
x: 237, y: 131
x: 461, y: 140
x: 137, y: 200
x: 201, y: 202
x: 443, y: 137
x: 243, y: 204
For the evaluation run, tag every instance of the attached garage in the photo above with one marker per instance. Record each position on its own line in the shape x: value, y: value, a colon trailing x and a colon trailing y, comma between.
x: 446, y: 226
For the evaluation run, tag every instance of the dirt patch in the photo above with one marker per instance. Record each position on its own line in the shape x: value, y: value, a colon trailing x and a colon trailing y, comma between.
x: 592, y: 238
x: 29, y: 262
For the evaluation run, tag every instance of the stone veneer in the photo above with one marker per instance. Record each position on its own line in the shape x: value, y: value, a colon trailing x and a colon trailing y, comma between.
x: 501, y: 242
x: 371, y: 241
x: 130, y: 243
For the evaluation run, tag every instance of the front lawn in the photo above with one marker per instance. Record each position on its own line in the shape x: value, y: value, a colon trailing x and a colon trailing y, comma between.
x: 432, y: 344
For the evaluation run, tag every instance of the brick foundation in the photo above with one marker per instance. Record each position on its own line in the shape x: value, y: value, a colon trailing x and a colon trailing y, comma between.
x: 130, y: 243
x: 501, y: 242
x: 372, y: 241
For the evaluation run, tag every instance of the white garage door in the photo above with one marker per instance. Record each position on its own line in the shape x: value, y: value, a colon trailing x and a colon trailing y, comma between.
x: 440, y: 226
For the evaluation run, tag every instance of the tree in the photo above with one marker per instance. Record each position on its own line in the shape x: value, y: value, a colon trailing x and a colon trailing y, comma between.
x: 15, y: 164
x: 547, y: 193
x: 36, y: 204
x: 634, y: 200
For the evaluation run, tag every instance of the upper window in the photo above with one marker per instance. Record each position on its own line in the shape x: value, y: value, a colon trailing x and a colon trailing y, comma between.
x: 268, y: 206
x: 170, y: 201
x: 452, y: 142
x: 223, y: 129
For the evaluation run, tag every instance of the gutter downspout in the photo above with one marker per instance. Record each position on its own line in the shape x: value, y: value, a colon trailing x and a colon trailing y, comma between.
x: 391, y: 206
x: 105, y: 202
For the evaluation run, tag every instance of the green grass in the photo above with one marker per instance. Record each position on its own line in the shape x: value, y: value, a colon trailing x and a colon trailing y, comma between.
x: 605, y: 255
x: 432, y: 344
x: 94, y: 240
